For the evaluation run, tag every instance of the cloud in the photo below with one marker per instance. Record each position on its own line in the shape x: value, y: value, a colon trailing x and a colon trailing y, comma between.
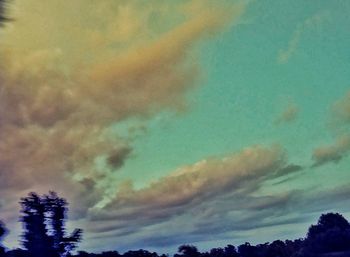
x: 203, y: 179
x: 211, y: 191
x: 288, y: 115
x: 70, y: 71
x: 341, y: 109
x: 287, y: 170
x: 232, y: 218
x: 334, y: 198
x: 315, y: 20
x: 118, y: 156
x: 332, y: 153
x: 340, y: 118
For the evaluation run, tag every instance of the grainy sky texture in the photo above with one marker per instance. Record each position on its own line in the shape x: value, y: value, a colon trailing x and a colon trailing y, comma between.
x: 171, y: 122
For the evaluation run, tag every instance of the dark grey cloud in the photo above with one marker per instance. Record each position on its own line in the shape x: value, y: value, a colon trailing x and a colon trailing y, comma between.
x: 118, y: 156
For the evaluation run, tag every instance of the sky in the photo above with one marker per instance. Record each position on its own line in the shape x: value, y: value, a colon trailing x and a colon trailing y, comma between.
x: 172, y: 122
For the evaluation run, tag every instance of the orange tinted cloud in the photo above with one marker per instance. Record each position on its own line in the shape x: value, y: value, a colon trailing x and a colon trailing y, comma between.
x: 72, y: 69
x: 333, y: 152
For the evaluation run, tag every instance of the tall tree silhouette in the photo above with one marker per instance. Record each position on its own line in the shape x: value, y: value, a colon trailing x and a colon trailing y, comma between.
x: 43, y: 222
x: 35, y: 236
x: 2, y: 230
x: 56, y: 209
x: 2, y: 233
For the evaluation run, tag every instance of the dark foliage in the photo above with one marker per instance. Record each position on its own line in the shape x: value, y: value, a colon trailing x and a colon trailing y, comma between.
x: 17, y: 253
x: 43, y: 219
x: 188, y: 251
x: 2, y: 230
x: 138, y: 253
x: 56, y: 208
x: 2, y: 233
x: 330, y: 234
x: 35, y: 238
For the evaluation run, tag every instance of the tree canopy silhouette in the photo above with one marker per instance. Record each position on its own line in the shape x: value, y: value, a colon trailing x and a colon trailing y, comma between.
x: 188, y: 251
x: 2, y: 230
x: 330, y: 234
x: 2, y: 233
x: 43, y: 219
x: 3, y: 17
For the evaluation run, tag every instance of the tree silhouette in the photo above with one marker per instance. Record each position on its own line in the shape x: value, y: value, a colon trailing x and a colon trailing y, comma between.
x: 35, y: 237
x: 2, y: 233
x: 188, y: 251
x: 2, y: 230
x: 277, y: 249
x: 43, y: 222
x: 331, y: 234
x: 140, y: 253
x: 56, y: 209
x: 231, y: 251
x: 247, y: 250
x: 217, y: 252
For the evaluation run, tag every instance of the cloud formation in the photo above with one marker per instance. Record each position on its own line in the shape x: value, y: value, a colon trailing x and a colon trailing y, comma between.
x: 203, y: 179
x: 285, y: 54
x: 341, y: 109
x: 289, y: 114
x: 232, y: 216
x: 71, y: 70
x: 340, y: 117
x: 195, y: 196
x: 332, y: 153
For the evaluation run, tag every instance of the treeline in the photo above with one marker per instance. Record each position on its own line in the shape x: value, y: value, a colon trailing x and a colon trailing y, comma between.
x: 43, y: 218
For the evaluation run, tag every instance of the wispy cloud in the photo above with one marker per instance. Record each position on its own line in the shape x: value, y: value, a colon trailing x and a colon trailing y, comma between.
x: 217, y: 191
x: 285, y: 54
x: 289, y: 114
x: 332, y: 153
x: 341, y: 110
x: 340, y: 119
x: 233, y: 217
